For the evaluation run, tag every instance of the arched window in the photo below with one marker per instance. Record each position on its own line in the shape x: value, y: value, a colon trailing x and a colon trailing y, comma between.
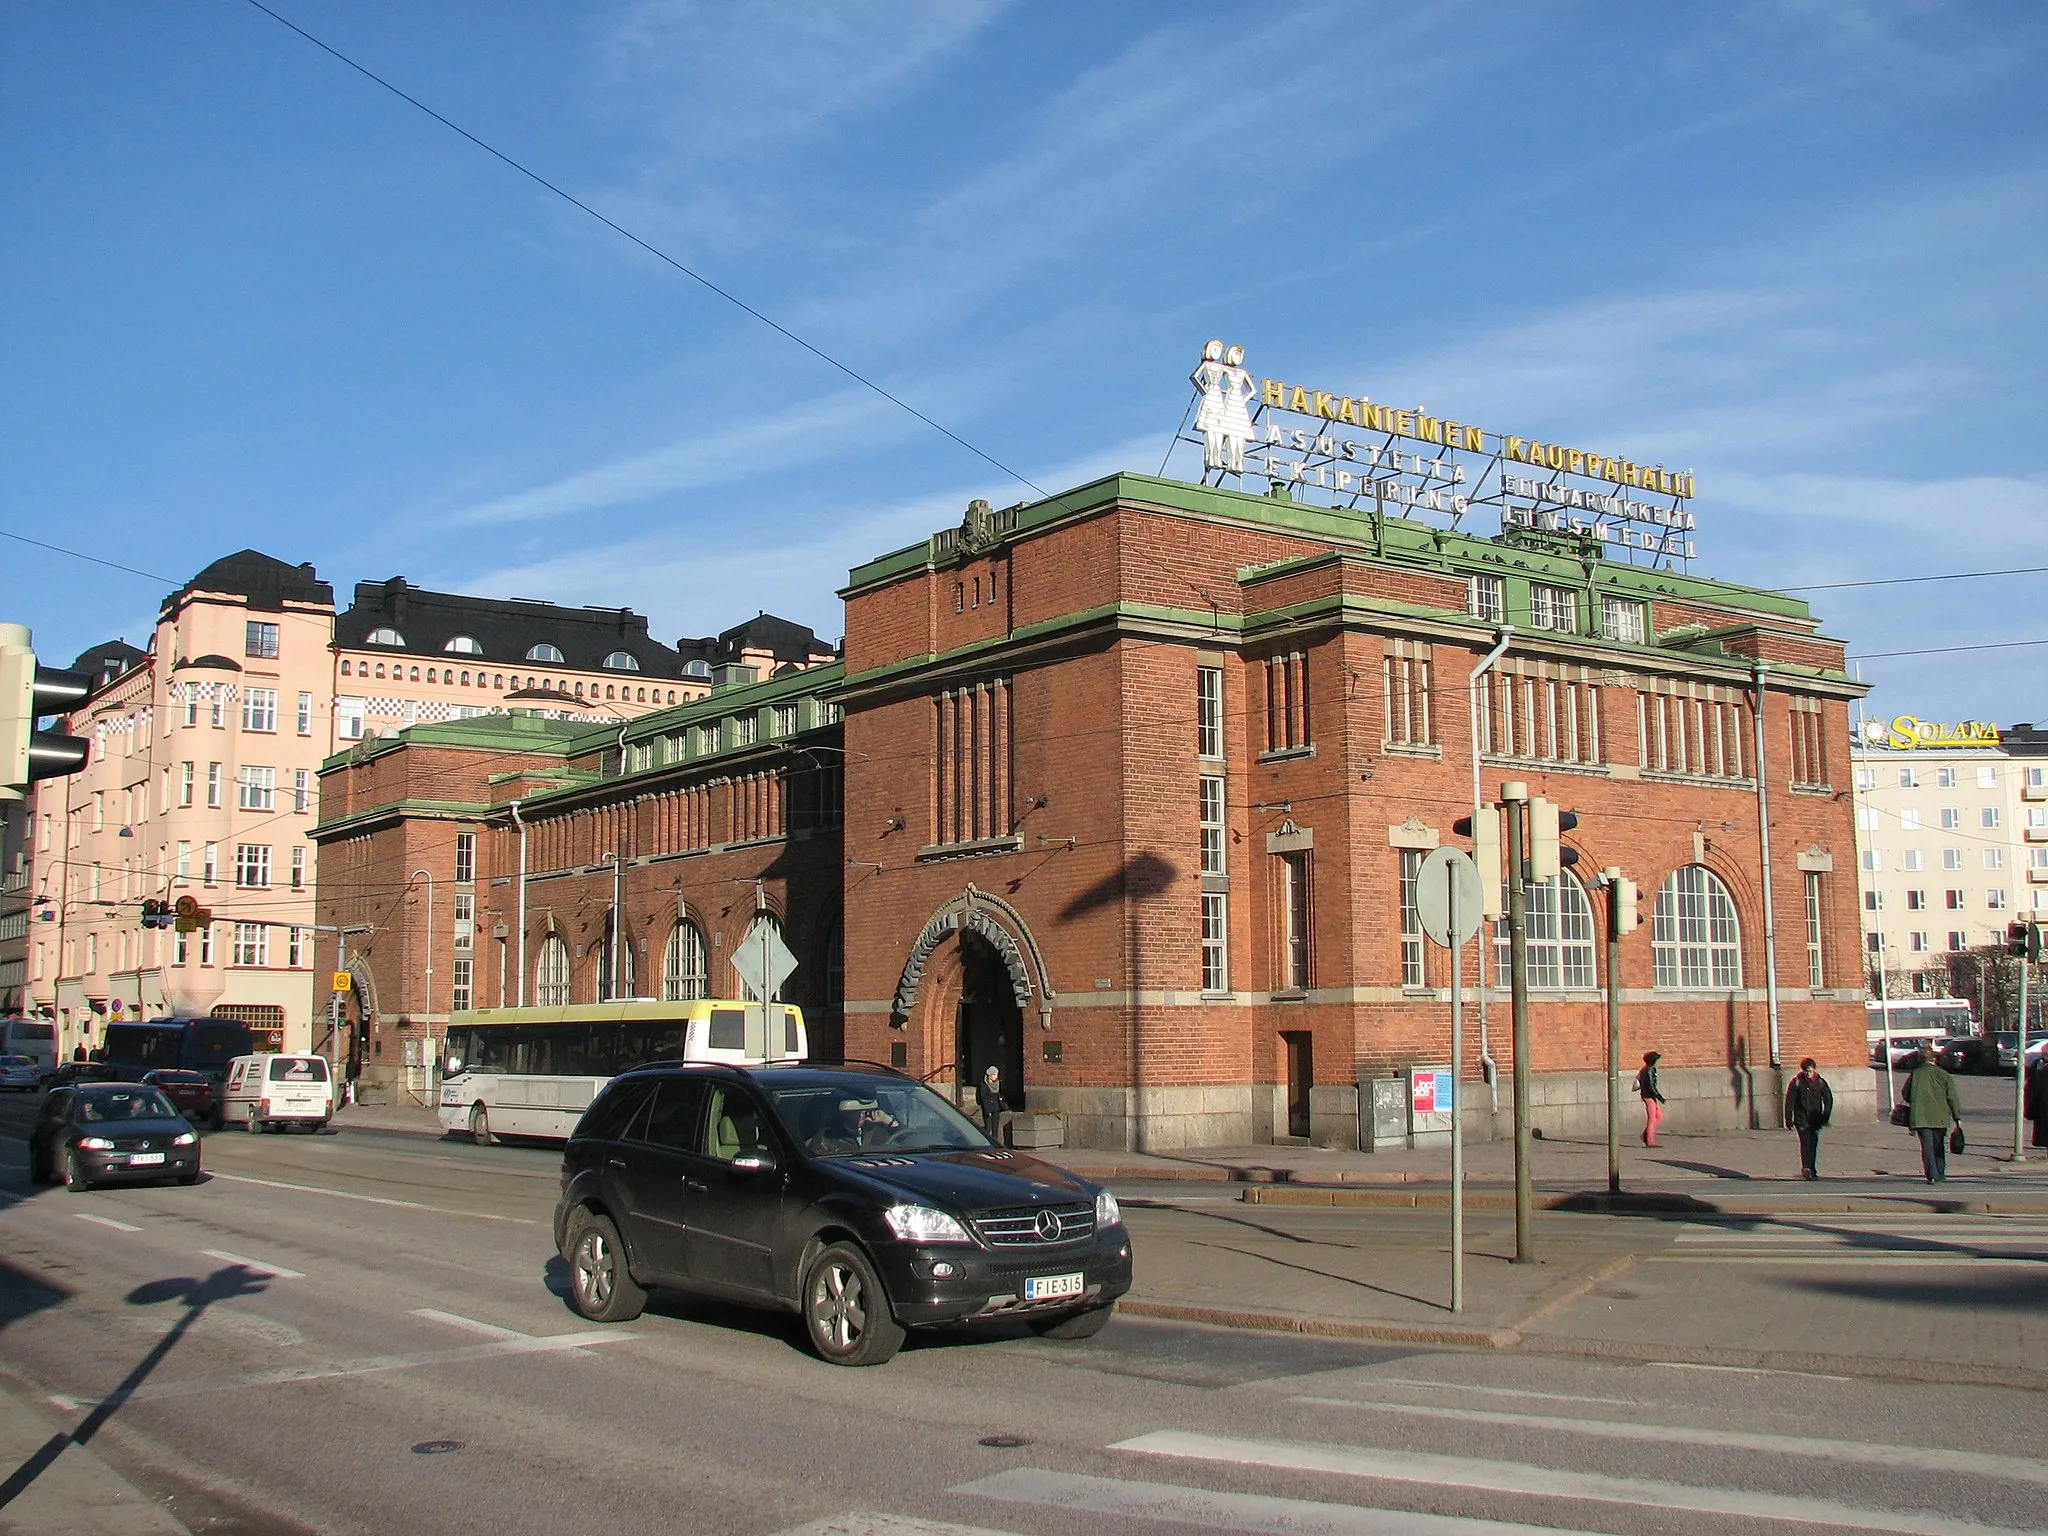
x: 465, y: 679
x: 605, y: 994
x: 380, y: 669
x: 684, y: 975
x: 415, y: 674
x: 499, y: 679
x: 546, y: 652
x: 551, y: 974
x: 698, y: 669
x: 579, y: 688
x: 430, y: 674
x: 1558, y: 939
x: 463, y: 645
x: 1693, y: 937
x: 384, y: 636
x: 643, y: 696
x: 608, y: 691
x: 622, y: 661
x: 344, y: 669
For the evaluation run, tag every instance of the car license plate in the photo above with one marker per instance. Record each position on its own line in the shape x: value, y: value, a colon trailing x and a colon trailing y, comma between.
x: 138, y: 1159
x: 1047, y: 1287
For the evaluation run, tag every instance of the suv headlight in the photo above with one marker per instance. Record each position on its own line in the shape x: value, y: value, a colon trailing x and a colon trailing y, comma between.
x: 95, y: 1143
x: 922, y: 1224
x: 183, y: 1139
x: 1107, y: 1211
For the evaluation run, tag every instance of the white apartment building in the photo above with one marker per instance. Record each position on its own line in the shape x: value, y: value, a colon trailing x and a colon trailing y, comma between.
x: 1952, y: 846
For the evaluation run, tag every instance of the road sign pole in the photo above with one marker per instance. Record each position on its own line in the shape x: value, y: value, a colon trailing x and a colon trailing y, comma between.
x: 1457, y: 1107
x: 1614, y: 1031
x: 1515, y: 799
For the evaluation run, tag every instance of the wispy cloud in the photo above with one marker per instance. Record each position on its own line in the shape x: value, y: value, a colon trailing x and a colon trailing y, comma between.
x: 720, y: 454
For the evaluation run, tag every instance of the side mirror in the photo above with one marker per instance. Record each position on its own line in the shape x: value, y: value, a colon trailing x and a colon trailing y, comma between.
x: 754, y: 1162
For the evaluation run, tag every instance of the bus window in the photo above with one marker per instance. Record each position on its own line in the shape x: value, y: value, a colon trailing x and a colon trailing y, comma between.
x: 728, y: 1029
x: 789, y: 1045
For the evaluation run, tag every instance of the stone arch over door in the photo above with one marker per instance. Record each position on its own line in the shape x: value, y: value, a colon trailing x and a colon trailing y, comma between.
x: 971, y: 983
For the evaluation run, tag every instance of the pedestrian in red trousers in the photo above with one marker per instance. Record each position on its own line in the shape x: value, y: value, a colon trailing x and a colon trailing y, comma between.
x: 1653, y: 1098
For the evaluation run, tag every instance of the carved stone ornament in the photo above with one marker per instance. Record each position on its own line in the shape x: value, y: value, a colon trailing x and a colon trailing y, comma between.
x: 1413, y: 833
x: 979, y: 529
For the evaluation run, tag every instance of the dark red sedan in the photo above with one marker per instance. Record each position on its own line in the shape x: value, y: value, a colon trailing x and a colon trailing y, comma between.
x: 190, y: 1093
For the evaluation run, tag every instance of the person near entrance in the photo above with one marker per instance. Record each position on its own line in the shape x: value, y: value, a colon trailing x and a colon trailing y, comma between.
x: 1809, y: 1105
x: 1931, y: 1108
x: 1652, y: 1097
x: 988, y: 1098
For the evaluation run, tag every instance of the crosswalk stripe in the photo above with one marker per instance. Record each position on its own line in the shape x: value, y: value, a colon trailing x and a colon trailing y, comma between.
x: 1173, y: 1503
x: 858, y: 1523
x: 2019, y: 1469
x: 1875, y: 1260
x: 1543, y: 1482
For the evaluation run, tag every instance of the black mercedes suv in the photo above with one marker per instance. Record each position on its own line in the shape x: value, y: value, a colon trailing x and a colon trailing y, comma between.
x: 856, y: 1197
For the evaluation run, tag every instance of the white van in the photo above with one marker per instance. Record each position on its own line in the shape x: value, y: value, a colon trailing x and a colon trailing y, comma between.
x: 262, y: 1091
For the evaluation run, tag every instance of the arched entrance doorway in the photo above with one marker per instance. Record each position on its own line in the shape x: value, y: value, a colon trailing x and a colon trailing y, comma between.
x: 988, y: 1027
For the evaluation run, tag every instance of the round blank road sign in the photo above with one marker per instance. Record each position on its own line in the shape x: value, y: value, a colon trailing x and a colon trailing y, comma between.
x: 1444, y: 871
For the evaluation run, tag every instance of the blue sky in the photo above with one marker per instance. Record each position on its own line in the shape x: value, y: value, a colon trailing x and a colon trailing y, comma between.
x: 249, y: 298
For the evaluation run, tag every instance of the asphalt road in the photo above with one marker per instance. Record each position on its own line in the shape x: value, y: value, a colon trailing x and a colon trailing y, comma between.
x: 364, y: 1333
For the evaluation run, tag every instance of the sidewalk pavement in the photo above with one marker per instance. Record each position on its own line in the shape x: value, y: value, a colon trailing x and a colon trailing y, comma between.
x: 57, y: 1487
x: 1866, y: 1166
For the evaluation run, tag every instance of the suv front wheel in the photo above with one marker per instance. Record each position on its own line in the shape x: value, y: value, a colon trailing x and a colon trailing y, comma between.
x: 600, y: 1286
x: 846, y: 1311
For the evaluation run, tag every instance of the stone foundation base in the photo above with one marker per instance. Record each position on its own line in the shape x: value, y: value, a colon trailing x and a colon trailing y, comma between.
x: 1566, y: 1105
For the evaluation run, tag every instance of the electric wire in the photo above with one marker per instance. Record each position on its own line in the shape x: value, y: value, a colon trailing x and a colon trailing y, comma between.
x: 647, y: 246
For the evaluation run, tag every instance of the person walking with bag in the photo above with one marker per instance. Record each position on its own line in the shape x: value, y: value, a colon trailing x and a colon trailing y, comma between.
x: 1652, y: 1097
x: 1932, y: 1108
x: 1809, y: 1105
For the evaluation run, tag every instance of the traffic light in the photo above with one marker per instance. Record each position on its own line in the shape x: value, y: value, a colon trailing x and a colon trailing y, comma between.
x: 2023, y: 941
x: 157, y: 914
x: 1485, y: 835
x: 1622, y: 896
x: 28, y: 693
x: 1547, y: 855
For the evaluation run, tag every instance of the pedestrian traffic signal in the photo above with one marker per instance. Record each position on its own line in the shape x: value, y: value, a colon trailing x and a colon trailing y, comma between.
x: 27, y: 694
x: 157, y: 914
x: 1485, y: 834
x: 1547, y: 854
x: 2023, y: 940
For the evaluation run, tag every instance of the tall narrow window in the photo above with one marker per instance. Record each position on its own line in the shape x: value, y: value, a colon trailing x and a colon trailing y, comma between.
x: 295, y: 948
x: 1808, y: 731
x: 1405, y: 694
x: 1287, y: 707
x: 305, y: 720
x: 1296, y: 941
x: 213, y: 786
x: 465, y: 858
x: 551, y: 973
x: 1411, y: 919
x: 465, y: 921
x: 187, y: 775
x: 1212, y: 823
x: 1208, y: 711
x: 461, y: 987
x: 302, y: 789
x: 683, y: 974
x: 972, y: 730
x: 209, y: 862
x: 1485, y: 601
x: 1215, y: 942
x: 298, y: 867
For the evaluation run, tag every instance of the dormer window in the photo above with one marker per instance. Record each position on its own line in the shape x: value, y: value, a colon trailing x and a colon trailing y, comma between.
x: 463, y: 645
x: 698, y: 669
x: 622, y: 661
x: 546, y: 652
x: 384, y: 636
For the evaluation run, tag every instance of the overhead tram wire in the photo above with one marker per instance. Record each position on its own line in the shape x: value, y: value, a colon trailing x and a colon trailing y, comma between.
x: 1904, y: 581
x: 651, y: 249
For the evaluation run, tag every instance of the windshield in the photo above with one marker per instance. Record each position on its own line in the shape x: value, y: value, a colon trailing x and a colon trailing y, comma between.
x: 838, y: 1119
x: 111, y: 1104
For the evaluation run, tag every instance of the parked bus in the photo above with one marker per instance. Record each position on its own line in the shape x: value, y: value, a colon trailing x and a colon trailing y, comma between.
x: 533, y: 1071
x: 185, y: 1045
x: 33, y: 1038
x: 1923, y: 1019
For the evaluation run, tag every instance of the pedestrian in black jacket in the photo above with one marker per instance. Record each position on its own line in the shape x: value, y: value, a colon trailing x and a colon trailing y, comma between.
x: 1652, y: 1097
x: 2036, y: 1101
x: 1809, y: 1105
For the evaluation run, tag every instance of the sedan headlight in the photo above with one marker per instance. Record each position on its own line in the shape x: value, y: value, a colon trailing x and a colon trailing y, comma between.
x: 95, y: 1143
x: 183, y: 1139
x: 922, y: 1224
x: 1107, y: 1212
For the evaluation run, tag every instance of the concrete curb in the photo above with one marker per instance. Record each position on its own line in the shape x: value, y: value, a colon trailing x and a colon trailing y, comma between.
x: 1653, y: 1203
x: 1256, y: 1321
x: 1866, y: 1367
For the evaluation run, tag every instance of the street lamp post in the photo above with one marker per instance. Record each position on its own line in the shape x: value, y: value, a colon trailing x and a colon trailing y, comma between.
x: 428, y: 998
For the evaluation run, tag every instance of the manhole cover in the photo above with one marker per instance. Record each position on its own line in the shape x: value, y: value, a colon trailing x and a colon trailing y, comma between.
x: 1002, y: 1442
x: 436, y: 1447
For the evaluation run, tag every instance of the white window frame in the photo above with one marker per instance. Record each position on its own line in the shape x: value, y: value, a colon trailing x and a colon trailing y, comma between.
x: 1209, y: 713
x: 1215, y: 942
x: 251, y: 945
x: 1621, y: 618
x: 259, y: 710
x: 685, y: 973
x: 252, y: 866
x: 1553, y: 608
x: 1486, y: 598
x: 256, y: 787
x: 1212, y: 814
x: 1695, y: 934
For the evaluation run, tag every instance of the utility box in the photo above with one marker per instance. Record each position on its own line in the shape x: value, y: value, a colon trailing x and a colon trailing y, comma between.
x: 1429, y: 1095
x: 1382, y: 1113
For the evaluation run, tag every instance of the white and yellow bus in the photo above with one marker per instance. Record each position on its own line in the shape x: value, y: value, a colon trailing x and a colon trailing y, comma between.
x: 533, y: 1071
